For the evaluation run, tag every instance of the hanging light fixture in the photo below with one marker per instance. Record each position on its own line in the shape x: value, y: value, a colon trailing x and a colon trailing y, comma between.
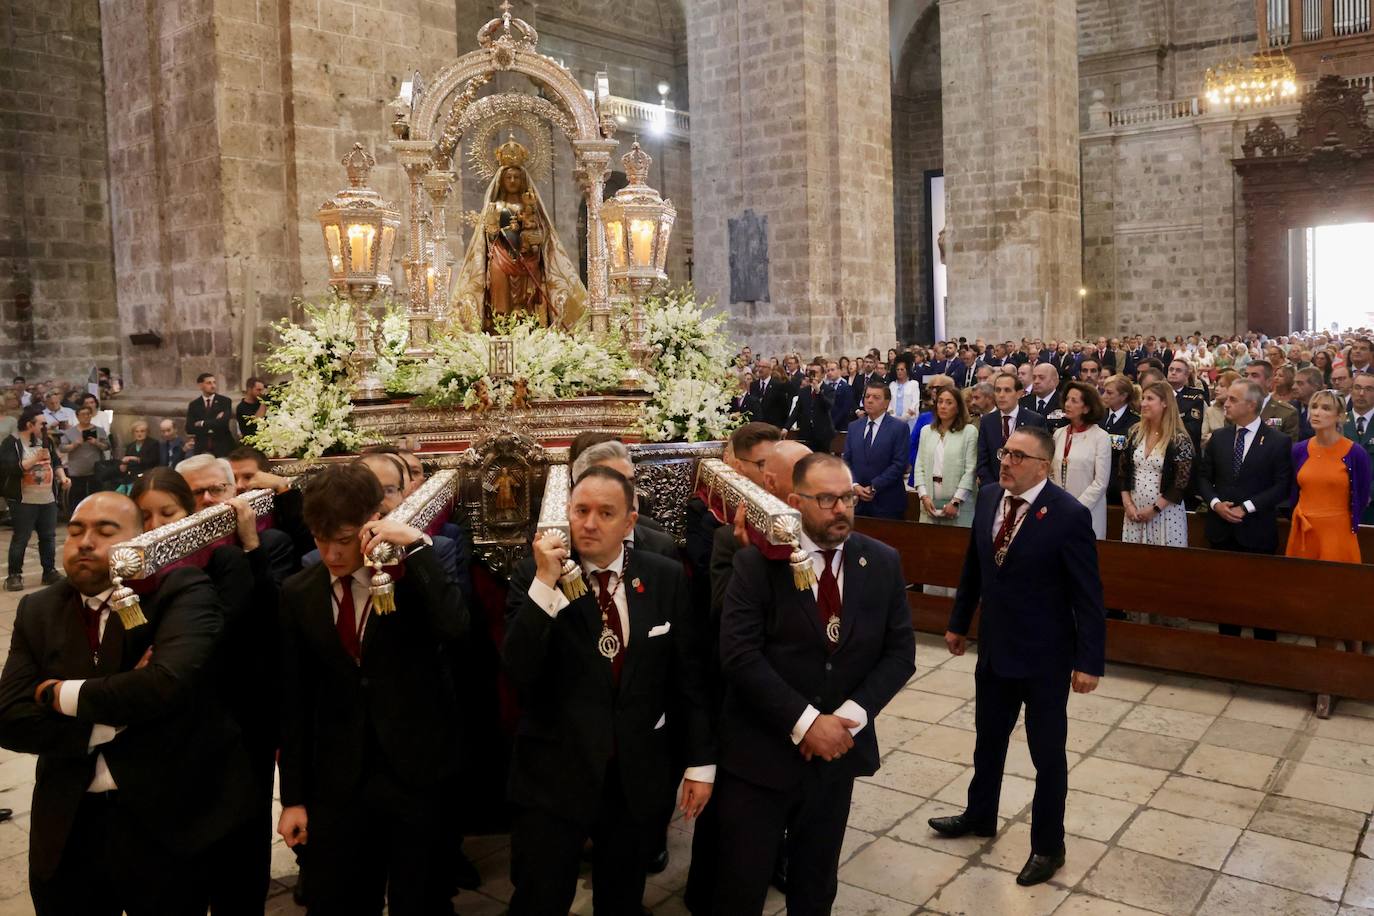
x: 1240, y: 82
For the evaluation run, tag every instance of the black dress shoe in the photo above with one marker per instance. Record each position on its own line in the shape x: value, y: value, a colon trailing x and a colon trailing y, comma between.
x: 465, y: 874
x: 1039, y: 869
x: 658, y: 863
x: 960, y: 825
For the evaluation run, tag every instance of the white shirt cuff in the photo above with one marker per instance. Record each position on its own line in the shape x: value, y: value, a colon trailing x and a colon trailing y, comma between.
x: 706, y: 773
x: 552, y: 600
x: 921, y: 491
x: 1249, y: 507
x: 101, y: 734
x: 1213, y: 503
x: 961, y: 494
x: 804, y: 723
x: 851, y: 710
x: 68, y: 695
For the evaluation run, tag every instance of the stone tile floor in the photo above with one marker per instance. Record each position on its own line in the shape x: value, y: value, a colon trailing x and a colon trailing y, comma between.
x: 1186, y: 796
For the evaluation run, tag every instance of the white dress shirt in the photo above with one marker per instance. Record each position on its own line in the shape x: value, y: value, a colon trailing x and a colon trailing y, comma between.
x: 552, y: 601
x: 1013, y: 414
x: 848, y: 709
x: 70, y: 694
x: 1114, y: 415
x: 1253, y: 427
x: 1368, y: 417
x: 1030, y: 496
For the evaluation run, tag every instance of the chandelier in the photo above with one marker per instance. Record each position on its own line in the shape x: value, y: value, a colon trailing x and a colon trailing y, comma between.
x: 1241, y: 82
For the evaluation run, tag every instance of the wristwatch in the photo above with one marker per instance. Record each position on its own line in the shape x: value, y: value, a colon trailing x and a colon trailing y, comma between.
x: 424, y: 541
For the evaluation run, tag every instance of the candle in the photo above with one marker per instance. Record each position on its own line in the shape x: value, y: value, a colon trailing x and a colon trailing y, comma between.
x: 360, y: 247
x: 642, y: 243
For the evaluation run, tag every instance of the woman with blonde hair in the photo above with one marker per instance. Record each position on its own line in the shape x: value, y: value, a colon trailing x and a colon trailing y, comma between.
x: 1156, y: 470
x: 1331, y: 482
x: 946, y: 461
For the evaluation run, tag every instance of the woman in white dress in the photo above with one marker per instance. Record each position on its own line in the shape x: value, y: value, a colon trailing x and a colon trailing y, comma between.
x: 945, y: 463
x: 1082, y: 462
x: 1156, y: 470
x: 906, y: 395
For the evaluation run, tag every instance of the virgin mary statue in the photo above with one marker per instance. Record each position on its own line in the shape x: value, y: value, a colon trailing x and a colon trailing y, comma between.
x: 515, y: 264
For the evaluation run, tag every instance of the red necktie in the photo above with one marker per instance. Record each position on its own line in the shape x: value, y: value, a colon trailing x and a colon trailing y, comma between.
x: 1006, y: 427
x: 605, y: 599
x: 1003, y: 539
x: 91, y: 618
x: 828, y: 593
x: 347, y: 622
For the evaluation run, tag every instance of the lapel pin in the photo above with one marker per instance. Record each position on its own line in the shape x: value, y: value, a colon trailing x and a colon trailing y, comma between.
x: 638, y: 586
x: 863, y: 561
x: 1044, y: 511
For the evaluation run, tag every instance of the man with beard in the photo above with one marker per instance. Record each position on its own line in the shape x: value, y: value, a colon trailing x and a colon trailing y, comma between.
x: 141, y: 774
x: 806, y: 673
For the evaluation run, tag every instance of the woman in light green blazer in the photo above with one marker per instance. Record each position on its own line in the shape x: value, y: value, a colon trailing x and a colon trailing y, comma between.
x: 945, y: 463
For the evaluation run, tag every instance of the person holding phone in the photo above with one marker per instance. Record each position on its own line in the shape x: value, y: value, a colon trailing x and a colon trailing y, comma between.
x: 29, y: 466
x: 84, y: 444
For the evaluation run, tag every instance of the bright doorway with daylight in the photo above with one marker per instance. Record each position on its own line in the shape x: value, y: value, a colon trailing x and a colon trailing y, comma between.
x: 1340, y: 276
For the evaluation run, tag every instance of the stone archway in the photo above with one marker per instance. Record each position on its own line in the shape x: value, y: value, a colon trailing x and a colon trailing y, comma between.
x: 917, y: 148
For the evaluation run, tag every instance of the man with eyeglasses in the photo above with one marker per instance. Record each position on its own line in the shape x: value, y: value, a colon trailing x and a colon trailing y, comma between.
x: 807, y: 672
x: 1032, y: 564
x: 211, y: 481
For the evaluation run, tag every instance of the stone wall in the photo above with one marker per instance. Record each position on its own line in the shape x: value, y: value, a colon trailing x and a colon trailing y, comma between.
x: 57, y: 300
x: 791, y: 124
x: 1013, y: 239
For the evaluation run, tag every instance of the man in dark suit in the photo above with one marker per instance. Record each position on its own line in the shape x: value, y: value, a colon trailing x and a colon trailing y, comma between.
x: 207, y: 418
x: 370, y: 720
x: 995, y: 427
x: 1044, y: 395
x: 141, y: 773
x: 964, y: 370
x: 1032, y: 565
x: 841, y: 396
x: 807, y: 674
x: 875, y: 448
x: 1306, y: 382
x: 810, y: 419
x: 1244, y: 475
x: 171, y: 448
x: 610, y: 685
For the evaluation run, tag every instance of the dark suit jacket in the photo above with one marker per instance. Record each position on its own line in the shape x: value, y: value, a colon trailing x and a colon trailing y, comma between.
x: 1042, y: 614
x: 656, y: 540
x: 990, y: 440
x: 1265, y: 477
x: 963, y: 375
x: 398, y: 703
x: 1052, y: 403
x: 169, y: 454
x: 776, y: 660
x: 211, y: 428
x: 841, y: 403
x: 179, y: 762
x: 776, y: 403
x: 812, y: 417
x: 573, y: 717
x: 882, y: 467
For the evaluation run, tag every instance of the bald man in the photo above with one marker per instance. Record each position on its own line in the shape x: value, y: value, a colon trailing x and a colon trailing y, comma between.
x: 141, y: 774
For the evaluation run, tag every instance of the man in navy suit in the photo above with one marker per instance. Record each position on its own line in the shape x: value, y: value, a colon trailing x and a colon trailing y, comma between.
x: 995, y: 427
x: 807, y: 673
x: 841, y: 397
x: 875, y: 449
x: 1245, y: 472
x: 1032, y: 563
x: 1044, y: 395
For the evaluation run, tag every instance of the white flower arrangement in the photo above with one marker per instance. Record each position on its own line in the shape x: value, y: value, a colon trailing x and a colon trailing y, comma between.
x: 309, y: 412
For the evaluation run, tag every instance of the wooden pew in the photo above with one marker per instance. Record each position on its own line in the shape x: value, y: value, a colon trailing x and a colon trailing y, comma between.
x: 1290, y: 596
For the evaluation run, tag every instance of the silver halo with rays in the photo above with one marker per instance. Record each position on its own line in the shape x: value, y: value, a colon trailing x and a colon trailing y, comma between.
x: 488, y: 135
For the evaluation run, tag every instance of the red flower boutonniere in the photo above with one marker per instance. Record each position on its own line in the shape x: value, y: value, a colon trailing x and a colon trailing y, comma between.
x: 1044, y: 511
x: 638, y: 586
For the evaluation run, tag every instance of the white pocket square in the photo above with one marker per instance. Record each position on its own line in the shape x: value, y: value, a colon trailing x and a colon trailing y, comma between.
x: 661, y: 629
x: 661, y: 719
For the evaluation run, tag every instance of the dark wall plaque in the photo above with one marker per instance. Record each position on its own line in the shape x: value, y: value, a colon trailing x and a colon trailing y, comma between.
x: 749, y: 258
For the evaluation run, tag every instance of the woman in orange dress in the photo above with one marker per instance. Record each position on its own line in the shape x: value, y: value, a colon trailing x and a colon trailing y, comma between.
x: 1331, y: 481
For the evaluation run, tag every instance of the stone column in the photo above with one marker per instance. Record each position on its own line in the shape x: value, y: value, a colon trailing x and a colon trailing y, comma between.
x: 792, y: 170
x: 1013, y: 245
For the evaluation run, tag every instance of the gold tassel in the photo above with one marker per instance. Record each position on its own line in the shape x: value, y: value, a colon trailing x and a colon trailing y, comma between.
x: 124, y: 601
x: 383, y: 591
x: 571, y: 581
x: 803, y: 573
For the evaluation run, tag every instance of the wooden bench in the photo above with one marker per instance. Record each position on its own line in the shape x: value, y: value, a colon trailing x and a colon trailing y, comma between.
x: 1307, y: 597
